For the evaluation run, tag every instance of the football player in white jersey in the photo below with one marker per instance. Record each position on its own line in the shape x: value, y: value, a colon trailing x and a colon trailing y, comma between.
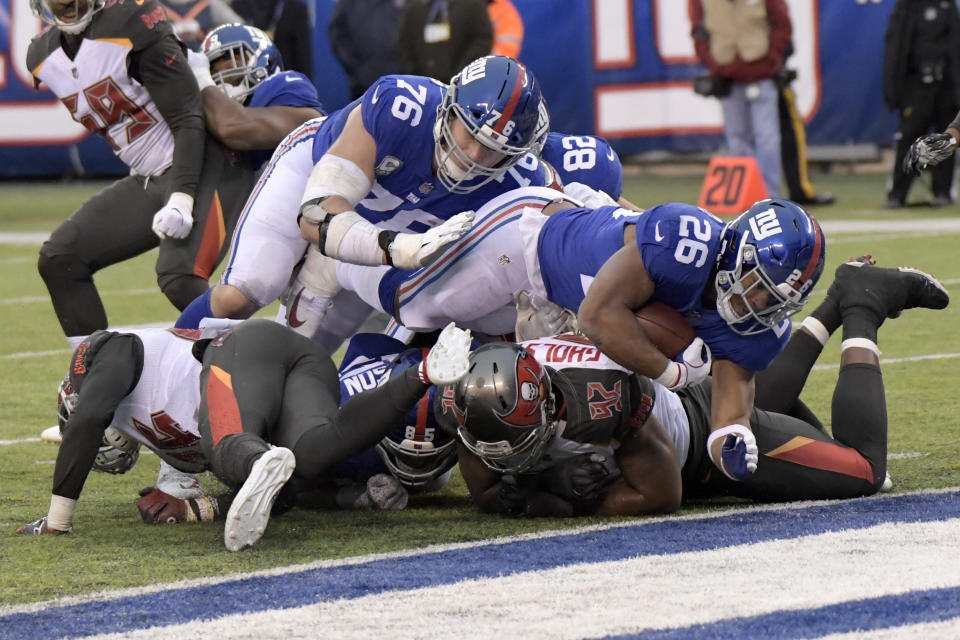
x: 220, y: 404
x: 119, y: 70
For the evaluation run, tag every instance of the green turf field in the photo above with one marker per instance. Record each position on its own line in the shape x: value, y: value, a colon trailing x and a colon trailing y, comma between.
x: 112, y: 549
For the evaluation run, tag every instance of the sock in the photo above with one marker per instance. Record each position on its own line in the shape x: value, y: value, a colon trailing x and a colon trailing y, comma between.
x: 828, y: 313
x: 196, y: 311
x: 859, y: 322
x: 364, y: 281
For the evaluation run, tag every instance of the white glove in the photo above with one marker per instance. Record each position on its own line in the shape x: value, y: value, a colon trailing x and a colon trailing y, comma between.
x: 200, y: 66
x: 548, y: 319
x: 174, y: 220
x: 383, y: 492
x: 739, y: 454
x: 414, y: 250
x: 449, y: 358
x: 694, y: 366
x: 591, y: 198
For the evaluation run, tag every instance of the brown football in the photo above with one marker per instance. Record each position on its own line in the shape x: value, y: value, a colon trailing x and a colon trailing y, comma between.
x: 666, y: 327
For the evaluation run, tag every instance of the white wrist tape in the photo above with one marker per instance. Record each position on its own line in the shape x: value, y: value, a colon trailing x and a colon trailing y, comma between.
x: 181, y: 201
x: 860, y: 343
x: 816, y: 329
x: 353, y: 239
x: 670, y: 375
x: 60, y: 515
x: 336, y: 176
x: 734, y: 429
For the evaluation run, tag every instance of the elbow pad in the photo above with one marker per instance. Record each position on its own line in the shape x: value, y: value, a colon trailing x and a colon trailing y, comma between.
x: 336, y: 176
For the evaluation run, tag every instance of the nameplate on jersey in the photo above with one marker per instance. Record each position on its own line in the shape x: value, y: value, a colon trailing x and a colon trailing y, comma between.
x: 569, y: 350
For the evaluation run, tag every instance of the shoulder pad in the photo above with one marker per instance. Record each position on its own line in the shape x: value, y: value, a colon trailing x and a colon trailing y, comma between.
x: 41, y: 47
x: 142, y: 22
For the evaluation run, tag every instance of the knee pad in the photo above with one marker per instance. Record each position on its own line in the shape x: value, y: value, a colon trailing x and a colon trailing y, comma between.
x: 61, y: 269
x: 181, y: 289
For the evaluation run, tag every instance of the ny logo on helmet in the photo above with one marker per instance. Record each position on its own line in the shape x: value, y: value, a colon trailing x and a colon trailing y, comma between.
x: 765, y: 224
x: 474, y: 71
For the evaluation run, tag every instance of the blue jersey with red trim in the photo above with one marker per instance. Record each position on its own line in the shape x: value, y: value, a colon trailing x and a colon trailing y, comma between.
x: 284, y: 89
x: 399, y: 112
x: 679, y: 244
x: 585, y: 159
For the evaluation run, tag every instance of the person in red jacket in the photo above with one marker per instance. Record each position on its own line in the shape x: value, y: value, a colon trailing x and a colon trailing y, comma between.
x: 743, y: 44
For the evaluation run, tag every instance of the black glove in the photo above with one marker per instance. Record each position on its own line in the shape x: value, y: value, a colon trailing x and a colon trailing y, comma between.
x: 519, y: 497
x: 582, y: 477
x: 928, y: 150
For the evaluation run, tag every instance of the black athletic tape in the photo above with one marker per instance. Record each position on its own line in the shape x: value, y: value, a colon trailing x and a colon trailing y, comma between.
x: 384, y: 239
x: 195, y: 508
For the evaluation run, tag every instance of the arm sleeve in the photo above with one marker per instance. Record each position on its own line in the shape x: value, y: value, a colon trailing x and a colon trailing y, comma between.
x: 164, y: 72
x: 110, y: 377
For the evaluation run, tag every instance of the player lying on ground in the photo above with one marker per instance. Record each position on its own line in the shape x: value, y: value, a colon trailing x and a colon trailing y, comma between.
x: 554, y: 428
x: 414, y: 456
x: 254, y: 405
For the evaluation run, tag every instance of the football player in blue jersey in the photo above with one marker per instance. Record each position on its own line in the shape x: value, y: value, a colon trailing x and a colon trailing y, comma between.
x: 586, y: 160
x: 737, y: 283
x: 389, y: 179
x: 258, y: 103
x: 553, y: 427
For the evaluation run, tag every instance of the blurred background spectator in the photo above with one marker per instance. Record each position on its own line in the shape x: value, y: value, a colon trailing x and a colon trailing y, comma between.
x: 793, y: 143
x: 288, y: 24
x: 507, y: 28
x: 363, y: 35
x: 192, y: 20
x: 440, y: 37
x: 921, y: 79
x: 743, y: 43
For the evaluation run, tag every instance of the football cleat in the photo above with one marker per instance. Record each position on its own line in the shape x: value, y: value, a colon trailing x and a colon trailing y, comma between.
x: 177, y: 483
x: 52, y: 434
x: 885, y: 292
x: 248, y: 515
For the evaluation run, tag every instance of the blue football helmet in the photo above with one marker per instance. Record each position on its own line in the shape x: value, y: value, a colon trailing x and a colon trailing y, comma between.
x: 117, y: 453
x: 774, y: 245
x: 253, y: 58
x: 499, y: 102
x: 505, y: 407
x: 83, y: 15
x: 418, y: 451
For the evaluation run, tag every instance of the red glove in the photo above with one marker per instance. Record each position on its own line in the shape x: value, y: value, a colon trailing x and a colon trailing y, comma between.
x: 157, y: 507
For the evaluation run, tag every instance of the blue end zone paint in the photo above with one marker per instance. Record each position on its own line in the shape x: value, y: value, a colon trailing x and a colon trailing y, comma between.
x: 300, y: 588
x: 913, y: 607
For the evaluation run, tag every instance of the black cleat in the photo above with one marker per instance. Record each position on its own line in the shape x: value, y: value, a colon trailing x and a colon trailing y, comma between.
x: 885, y: 292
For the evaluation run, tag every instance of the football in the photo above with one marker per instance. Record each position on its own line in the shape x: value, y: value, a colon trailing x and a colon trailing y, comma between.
x: 666, y: 327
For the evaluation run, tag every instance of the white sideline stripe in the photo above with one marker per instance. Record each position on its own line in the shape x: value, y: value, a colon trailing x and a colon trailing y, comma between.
x: 54, y: 352
x: 908, y: 454
x: 687, y: 588
x: 122, y: 292
x: 834, y: 226
x: 4, y: 443
x: 432, y: 549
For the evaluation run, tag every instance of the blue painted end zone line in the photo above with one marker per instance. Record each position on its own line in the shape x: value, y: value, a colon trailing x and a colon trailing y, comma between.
x: 298, y: 588
x: 913, y: 607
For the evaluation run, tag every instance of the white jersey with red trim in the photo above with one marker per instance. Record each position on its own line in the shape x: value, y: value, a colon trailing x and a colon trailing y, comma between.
x: 99, y: 93
x: 161, y: 411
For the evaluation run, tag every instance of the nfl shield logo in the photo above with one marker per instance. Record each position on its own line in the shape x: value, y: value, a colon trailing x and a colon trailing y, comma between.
x: 426, y: 188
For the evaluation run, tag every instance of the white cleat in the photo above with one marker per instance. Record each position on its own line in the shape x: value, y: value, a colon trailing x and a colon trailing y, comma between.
x: 178, y: 483
x: 52, y: 435
x: 887, y: 485
x: 248, y: 515
x: 449, y: 358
